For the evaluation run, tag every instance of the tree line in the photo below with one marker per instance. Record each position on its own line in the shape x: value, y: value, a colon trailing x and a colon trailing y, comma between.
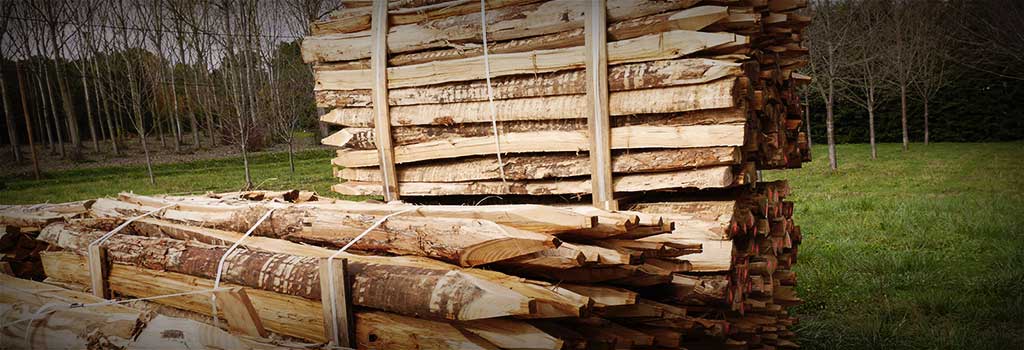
x: 94, y: 75
x: 905, y: 57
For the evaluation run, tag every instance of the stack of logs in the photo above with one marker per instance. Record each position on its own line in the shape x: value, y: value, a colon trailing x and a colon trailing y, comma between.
x: 677, y: 271
x: 701, y: 94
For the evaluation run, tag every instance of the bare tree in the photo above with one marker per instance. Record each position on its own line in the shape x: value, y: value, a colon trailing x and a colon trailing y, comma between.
x: 869, y: 72
x: 127, y: 16
x: 932, y: 60
x: 57, y: 14
x: 830, y: 38
x: 991, y: 36
x: 904, y: 22
x: 6, y: 12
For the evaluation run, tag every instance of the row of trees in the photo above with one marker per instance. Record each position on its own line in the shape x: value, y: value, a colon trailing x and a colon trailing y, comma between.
x: 196, y: 73
x: 873, y: 52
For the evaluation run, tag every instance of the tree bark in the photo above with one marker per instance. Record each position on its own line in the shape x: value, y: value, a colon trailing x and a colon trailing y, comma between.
x: 88, y: 112
x: 28, y: 121
x: 807, y: 113
x: 871, y: 121
x: 65, y: 94
x: 903, y: 116
x: 830, y: 129
x: 12, y: 134
x: 926, y: 121
x: 53, y: 112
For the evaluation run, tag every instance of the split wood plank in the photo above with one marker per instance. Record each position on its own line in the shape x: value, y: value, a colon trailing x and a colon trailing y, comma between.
x: 381, y: 114
x: 598, y: 117
x: 239, y: 312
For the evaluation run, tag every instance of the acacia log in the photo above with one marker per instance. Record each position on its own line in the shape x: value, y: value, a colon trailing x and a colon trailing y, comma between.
x: 284, y: 314
x: 545, y: 166
x: 375, y: 284
x: 660, y: 46
x: 624, y: 137
x: 466, y: 242
x: 715, y: 177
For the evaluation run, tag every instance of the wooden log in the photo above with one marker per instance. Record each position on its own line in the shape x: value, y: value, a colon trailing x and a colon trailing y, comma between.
x: 563, y: 257
x: 715, y: 177
x: 465, y: 242
x: 103, y: 326
x: 721, y: 93
x: 701, y: 290
x: 558, y: 165
x: 661, y: 46
x: 550, y: 301
x: 284, y: 314
x: 510, y: 334
x: 626, y: 137
x: 503, y: 23
x: 632, y: 76
x: 704, y: 220
x: 39, y: 215
x: 357, y: 18
x: 299, y: 276
x: 604, y: 296
x: 536, y: 218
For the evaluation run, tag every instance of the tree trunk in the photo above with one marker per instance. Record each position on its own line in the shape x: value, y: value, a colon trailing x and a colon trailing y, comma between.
x: 53, y: 110
x: 926, y: 121
x: 12, y: 133
x: 903, y: 116
x: 45, y: 115
x: 833, y: 163
x: 871, y: 131
x: 807, y: 107
x: 291, y: 155
x: 149, y: 163
x: 65, y: 94
x: 245, y: 164
x: 177, y: 118
x: 112, y: 128
x: 88, y: 113
x: 28, y: 122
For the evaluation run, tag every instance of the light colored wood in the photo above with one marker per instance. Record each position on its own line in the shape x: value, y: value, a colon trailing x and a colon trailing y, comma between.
x: 597, y: 110
x: 714, y: 177
x: 661, y: 46
x: 710, y: 220
x: 545, y: 166
x: 564, y: 257
x: 625, y: 137
x: 98, y: 271
x: 298, y: 275
x: 354, y: 19
x: 509, y: 334
x: 538, y: 218
x: 239, y: 312
x: 718, y: 94
x: 503, y: 23
x: 381, y: 113
x: 631, y: 76
x: 542, y: 299
x: 604, y: 296
x: 284, y: 314
x: 341, y: 330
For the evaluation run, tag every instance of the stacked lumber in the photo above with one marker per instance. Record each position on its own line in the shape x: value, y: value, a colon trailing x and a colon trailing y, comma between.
x: 19, y: 249
x: 701, y: 95
x: 452, y: 277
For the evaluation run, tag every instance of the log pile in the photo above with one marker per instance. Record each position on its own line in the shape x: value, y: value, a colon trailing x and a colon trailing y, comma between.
x: 679, y: 270
x: 701, y: 94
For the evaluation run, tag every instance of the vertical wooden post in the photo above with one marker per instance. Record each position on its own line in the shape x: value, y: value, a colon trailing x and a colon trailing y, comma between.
x: 98, y: 271
x: 381, y: 114
x: 239, y: 312
x: 598, y: 123
x: 337, y: 306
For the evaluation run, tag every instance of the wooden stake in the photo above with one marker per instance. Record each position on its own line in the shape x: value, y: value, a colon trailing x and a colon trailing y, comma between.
x: 382, y: 119
x: 239, y: 312
x: 337, y: 306
x: 98, y: 271
x: 598, y: 119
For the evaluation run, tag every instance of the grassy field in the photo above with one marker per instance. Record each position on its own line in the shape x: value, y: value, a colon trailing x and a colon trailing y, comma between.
x: 920, y: 249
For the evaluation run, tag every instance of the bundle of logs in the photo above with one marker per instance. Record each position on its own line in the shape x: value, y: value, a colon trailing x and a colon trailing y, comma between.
x: 708, y: 269
x: 701, y: 94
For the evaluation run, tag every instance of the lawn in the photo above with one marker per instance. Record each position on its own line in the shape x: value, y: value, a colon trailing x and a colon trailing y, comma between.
x: 919, y: 249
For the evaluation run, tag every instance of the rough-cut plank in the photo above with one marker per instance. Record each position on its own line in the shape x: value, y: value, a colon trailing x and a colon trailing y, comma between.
x: 632, y: 76
x: 722, y: 93
x: 284, y: 314
x: 695, y: 220
x: 39, y: 215
x: 354, y: 19
x: 625, y: 137
x: 715, y: 177
x: 509, y: 334
x: 560, y: 165
x: 503, y: 23
x: 374, y: 284
x: 690, y: 19
x: 363, y: 138
x: 661, y: 46
x: 465, y: 242
x: 604, y: 296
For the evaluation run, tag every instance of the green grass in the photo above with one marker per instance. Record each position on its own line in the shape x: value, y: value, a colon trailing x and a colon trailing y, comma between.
x: 269, y: 171
x: 920, y: 249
